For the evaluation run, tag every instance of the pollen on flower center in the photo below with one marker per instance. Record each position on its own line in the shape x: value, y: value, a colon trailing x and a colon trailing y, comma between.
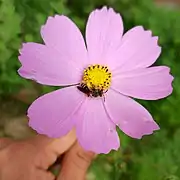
x: 96, y: 80
x: 97, y: 77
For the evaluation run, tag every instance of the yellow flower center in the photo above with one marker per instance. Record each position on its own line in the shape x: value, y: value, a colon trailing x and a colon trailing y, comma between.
x: 96, y: 80
x: 97, y: 76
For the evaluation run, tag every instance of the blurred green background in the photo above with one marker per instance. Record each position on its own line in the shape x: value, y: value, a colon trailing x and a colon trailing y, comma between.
x: 155, y: 157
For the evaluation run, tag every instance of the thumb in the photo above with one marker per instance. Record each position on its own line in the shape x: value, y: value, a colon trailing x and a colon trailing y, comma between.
x: 50, y: 149
x: 61, y: 145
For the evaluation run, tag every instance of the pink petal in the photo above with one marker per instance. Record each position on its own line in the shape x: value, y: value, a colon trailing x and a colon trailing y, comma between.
x: 138, y: 50
x: 103, y: 35
x: 95, y: 131
x: 132, y: 118
x: 148, y: 83
x: 48, y: 66
x: 52, y: 113
x: 62, y: 34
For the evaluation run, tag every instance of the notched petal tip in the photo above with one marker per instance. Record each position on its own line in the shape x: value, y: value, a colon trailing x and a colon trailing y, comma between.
x: 56, y: 16
x: 167, y: 70
x: 107, y: 151
x: 27, y: 75
x: 99, y: 10
x: 19, y: 57
x: 156, y: 39
x: 170, y: 90
x: 145, y: 134
x: 104, y: 8
x: 153, y: 131
x: 149, y: 33
x: 159, y: 48
x: 138, y: 28
x: 38, y: 131
x: 146, y: 32
x: 171, y: 77
x: 22, y: 48
x: 118, y: 15
x: 50, y: 19
x: 25, y: 47
x: 20, y: 71
x: 105, y: 148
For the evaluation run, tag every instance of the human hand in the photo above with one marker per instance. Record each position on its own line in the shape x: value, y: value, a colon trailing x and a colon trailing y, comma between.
x: 30, y: 159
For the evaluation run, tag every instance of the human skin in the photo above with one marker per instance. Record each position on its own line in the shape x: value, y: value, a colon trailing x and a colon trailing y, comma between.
x: 30, y: 159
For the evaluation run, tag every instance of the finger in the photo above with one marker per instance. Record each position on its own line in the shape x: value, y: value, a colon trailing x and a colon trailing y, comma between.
x: 51, y: 149
x: 61, y: 145
x: 58, y: 145
x: 4, y: 142
x: 75, y: 163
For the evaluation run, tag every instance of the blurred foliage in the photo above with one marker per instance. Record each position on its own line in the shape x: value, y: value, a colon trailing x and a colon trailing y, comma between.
x: 155, y: 157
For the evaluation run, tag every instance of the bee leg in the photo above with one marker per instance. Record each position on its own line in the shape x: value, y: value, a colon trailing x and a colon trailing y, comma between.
x: 103, y: 96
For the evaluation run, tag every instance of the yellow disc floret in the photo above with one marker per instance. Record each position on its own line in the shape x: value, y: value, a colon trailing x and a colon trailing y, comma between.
x: 97, y: 77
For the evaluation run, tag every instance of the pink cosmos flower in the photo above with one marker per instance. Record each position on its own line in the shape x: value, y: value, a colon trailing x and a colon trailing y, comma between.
x: 104, y: 73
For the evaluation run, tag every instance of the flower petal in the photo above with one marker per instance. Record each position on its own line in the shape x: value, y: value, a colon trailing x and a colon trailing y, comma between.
x: 63, y: 35
x: 95, y: 131
x: 132, y: 118
x: 52, y: 113
x: 103, y: 35
x: 47, y: 66
x: 138, y: 50
x: 148, y: 83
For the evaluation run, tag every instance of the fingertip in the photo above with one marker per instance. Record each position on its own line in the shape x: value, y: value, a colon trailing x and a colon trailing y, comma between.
x: 61, y: 145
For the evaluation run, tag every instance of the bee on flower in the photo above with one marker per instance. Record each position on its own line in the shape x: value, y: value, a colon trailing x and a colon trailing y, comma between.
x: 105, y: 73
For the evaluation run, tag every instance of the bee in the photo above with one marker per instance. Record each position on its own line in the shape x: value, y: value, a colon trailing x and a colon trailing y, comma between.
x: 97, y: 92
x: 91, y: 92
x: 83, y: 88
